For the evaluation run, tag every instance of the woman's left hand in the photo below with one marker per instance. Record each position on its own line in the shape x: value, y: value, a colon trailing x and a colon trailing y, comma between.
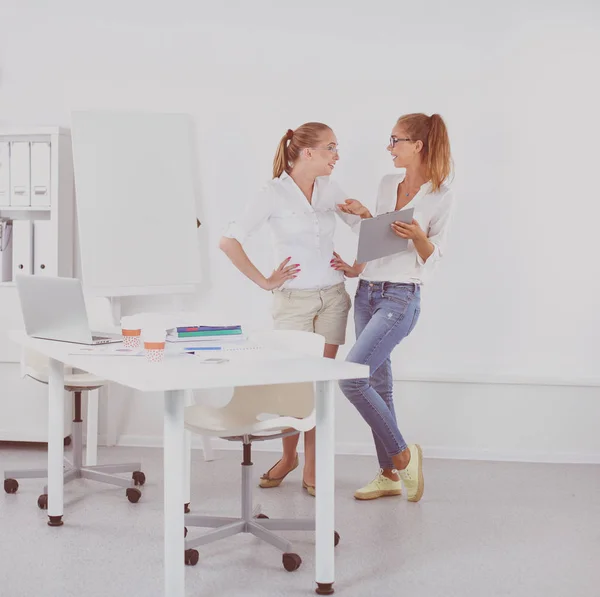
x: 350, y: 271
x: 411, y: 231
x: 355, y: 208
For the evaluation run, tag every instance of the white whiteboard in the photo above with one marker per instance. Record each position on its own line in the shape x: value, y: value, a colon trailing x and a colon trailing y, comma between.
x: 136, y: 212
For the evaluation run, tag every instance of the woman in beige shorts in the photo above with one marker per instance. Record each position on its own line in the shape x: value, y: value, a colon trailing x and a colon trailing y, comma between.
x: 300, y: 206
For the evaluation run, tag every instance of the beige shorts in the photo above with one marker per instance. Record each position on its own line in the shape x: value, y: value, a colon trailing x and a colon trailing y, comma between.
x: 324, y: 312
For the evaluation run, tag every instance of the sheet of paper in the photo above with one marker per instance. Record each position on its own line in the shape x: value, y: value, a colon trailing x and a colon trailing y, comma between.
x: 116, y: 350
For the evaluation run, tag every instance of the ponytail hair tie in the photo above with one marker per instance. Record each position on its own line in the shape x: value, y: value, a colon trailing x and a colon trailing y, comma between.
x: 289, y: 134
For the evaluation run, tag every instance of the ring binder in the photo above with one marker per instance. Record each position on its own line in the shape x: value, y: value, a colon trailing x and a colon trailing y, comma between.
x: 5, y: 250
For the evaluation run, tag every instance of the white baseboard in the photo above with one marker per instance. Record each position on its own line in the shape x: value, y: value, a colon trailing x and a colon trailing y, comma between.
x: 500, y: 379
x: 367, y: 449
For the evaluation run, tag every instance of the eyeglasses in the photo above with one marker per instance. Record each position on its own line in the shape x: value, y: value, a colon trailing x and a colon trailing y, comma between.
x: 394, y: 140
x: 332, y: 149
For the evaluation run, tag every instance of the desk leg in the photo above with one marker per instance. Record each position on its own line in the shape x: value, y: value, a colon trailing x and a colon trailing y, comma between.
x: 174, y: 480
x: 56, y: 432
x: 187, y: 472
x: 325, y: 481
x: 187, y: 446
x: 91, y: 436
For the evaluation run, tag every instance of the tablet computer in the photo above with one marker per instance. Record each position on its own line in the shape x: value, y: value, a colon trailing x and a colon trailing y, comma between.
x: 377, y: 239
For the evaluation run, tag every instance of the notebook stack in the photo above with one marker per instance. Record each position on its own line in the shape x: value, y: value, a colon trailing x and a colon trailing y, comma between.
x: 205, y: 333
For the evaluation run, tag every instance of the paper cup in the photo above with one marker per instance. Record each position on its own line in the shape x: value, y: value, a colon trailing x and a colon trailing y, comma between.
x: 155, y: 351
x: 154, y: 342
x: 132, y: 338
x: 131, y: 331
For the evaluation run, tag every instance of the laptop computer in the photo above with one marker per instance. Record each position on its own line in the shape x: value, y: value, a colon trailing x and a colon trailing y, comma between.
x: 54, y: 309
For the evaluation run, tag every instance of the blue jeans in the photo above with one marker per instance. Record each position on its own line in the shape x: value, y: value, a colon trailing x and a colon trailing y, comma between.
x: 384, y: 314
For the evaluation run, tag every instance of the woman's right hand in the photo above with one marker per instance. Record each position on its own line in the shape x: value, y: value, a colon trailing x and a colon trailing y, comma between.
x: 281, y: 275
x: 350, y: 271
x: 354, y: 207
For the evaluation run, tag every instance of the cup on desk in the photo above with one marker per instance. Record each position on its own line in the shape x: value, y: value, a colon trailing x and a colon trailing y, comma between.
x: 154, y: 344
x: 132, y: 332
x: 132, y: 338
x: 155, y: 351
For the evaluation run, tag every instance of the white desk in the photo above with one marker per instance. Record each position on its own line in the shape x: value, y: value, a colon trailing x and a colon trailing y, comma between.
x: 174, y: 376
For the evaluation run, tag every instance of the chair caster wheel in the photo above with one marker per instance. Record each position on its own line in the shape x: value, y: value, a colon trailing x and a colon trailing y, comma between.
x: 291, y: 561
x: 336, y: 538
x: 43, y: 501
x: 11, y: 485
x: 138, y: 478
x: 133, y: 494
x: 184, y: 532
x: 186, y: 508
x: 262, y: 516
x: 191, y: 557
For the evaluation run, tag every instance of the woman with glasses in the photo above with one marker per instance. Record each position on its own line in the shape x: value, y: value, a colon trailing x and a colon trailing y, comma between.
x: 388, y: 298
x: 300, y: 205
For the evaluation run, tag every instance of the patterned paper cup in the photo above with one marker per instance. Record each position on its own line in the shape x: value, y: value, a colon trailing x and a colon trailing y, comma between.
x: 155, y: 351
x: 132, y: 338
x: 132, y: 331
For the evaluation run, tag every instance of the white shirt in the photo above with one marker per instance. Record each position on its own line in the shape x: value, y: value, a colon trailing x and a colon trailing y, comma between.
x: 300, y: 230
x: 432, y: 211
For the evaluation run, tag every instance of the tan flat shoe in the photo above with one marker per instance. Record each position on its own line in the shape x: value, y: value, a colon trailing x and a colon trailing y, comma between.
x: 266, y: 481
x: 309, y: 488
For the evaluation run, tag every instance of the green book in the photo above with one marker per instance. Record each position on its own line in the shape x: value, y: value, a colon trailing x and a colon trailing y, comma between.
x: 209, y: 333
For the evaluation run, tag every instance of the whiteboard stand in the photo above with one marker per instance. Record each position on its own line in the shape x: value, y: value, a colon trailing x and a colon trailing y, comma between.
x: 136, y: 203
x: 135, y: 178
x: 115, y: 310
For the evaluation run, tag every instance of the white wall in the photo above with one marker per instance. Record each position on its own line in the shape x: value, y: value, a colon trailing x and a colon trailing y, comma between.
x: 518, y: 86
x: 465, y: 421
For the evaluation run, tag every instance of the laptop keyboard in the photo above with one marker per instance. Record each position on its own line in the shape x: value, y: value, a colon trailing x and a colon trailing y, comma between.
x: 98, y: 338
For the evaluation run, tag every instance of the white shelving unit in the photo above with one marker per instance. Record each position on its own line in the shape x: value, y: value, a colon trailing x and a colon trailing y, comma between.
x: 23, y: 403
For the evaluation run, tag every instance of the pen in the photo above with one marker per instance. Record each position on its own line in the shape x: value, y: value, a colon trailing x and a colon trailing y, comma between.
x: 193, y: 348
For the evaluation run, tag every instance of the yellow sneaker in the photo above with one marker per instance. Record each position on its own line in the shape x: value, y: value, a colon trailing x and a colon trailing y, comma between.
x: 412, y: 475
x: 380, y: 486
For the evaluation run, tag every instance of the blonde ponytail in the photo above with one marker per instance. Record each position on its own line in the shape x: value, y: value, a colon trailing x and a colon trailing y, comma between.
x: 432, y: 132
x: 281, y: 162
x: 293, y: 142
x: 439, y: 159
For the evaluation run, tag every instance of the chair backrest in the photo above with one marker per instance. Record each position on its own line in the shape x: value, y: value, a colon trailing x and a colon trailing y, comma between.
x: 293, y: 400
x: 305, y: 343
x: 34, y: 365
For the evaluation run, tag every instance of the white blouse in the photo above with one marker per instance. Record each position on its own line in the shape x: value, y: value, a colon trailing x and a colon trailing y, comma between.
x: 432, y: 211
x: 300, y: 230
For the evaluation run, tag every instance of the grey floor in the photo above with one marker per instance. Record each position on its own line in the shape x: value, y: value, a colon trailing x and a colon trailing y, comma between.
x: 482, y: 529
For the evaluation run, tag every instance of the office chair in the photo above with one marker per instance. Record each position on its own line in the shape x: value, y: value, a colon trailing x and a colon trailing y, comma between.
x: 35, y: 366
x: 290, y: 406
